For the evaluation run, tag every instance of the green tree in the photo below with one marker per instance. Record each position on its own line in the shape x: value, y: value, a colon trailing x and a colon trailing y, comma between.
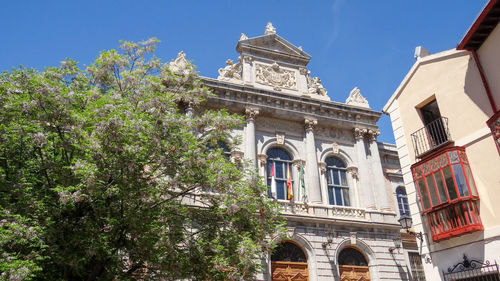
x: 105, y: 175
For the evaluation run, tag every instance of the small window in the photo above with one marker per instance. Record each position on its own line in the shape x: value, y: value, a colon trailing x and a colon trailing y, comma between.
x: 336, y: 180
x: 402, y: 199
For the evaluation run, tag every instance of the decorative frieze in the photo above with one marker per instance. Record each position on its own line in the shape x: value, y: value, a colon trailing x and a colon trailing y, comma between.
x: 276, y: 76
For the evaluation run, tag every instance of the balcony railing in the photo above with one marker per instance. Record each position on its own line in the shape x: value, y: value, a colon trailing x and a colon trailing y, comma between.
x: 454, y: 219
x: 297, y: 208
x: 431, y: 136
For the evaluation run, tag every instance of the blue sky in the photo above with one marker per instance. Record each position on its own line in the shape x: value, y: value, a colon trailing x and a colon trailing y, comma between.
x: 363, y: 43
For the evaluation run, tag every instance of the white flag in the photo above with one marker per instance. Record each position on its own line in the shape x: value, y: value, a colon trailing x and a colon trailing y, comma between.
x: 273, y: 183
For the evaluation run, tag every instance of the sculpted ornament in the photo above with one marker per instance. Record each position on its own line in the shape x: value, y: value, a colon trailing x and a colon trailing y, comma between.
x: 243, y: 37
x: 276, y: 76
x: 180, y: 65
x: 314, y: 86
x: 251, y: 113
x: 353, y: 171
x: 310, y: 123
x: 231, y: 71
x: 270, y: 29
x: 335, y: 148
x: 280, y: 138
x: 355, y: 98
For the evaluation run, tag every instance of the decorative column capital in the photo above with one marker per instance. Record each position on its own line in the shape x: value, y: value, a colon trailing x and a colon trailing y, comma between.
x: 322, y: 167
x: 359, y: 133
x: 298, y: 162
x: 251, y: 113
x: 310, y: 123
x: 262, y: 158
x: 247, y: 59
x: 353, y: 171
x: 372, y: 134
x: 237, y: 155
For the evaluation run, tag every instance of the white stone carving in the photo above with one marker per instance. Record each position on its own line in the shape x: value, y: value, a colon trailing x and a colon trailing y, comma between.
x: 243, y: 37
x: 353, y: 171
x: 335, y: 148
x: 237, y: 155
x: 262, y: 158
x: 314, y: 86
x: 270, y: 29
x: 231, y: 70
x: 180, y: 65
x: 276, y: 76
x: 355, y: 98
x: 353, y: 236
x: 280, y: 138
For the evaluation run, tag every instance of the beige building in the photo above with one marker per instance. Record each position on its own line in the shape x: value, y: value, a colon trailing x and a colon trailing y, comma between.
x: 321, y: 162
x: 445, y: 120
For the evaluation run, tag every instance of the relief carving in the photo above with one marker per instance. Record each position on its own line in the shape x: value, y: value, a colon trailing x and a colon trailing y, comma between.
x: 355, y: 98
x: 276, y: 76
x: 180, y: 65
x: 231, y: 70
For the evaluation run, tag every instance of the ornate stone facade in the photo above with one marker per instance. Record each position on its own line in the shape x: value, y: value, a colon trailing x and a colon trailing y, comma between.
x: 339, y: 196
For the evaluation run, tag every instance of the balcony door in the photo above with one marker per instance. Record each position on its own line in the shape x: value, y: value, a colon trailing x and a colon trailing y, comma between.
x: 289, y: 263
x: 433, y: 123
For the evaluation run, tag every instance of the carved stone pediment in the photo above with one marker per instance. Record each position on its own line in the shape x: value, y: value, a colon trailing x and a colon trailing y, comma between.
x: 276, y: 76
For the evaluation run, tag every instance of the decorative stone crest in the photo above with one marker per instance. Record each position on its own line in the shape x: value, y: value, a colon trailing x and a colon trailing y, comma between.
x: 180, y: 65
x: 353, y: 236
x: 251, y: 113
x: 355, y: 98
x: 280, y: 138
x: 243, y: 37
x: 335, y: 148
x: 314, y: 86
x: 270, y: 29
x: 231, y: 70
x: 310, y: 123
x: 276, y: 76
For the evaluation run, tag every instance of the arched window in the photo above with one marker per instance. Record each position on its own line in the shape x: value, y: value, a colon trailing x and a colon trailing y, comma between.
x: 336, y: 180
x: 351, y: 256
x: 402, y: 198
x: 282, y: 165
x: 288, y: 251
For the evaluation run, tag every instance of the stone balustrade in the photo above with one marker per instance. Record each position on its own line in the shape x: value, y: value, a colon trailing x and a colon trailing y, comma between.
x: 325, y: 211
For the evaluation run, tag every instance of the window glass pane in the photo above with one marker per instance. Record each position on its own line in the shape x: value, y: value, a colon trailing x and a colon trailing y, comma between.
x: 338, y: 196
x: 423, y: 194
x: 472, y: 185
x: 452, y: 192
x: 440, y: 187
x: 280, y: 189
x: 331, y: 199
x: 432, y: 190
x: 453, y: 156
x: 346, y: 197
x: 460, y: 179
x: 343, y: 178
x: 329, y: 176
x: 336, y: 179
x: 279, y: 167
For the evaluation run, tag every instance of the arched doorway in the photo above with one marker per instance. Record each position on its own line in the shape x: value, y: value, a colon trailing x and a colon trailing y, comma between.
x: 289, y: 263
x: 353, y: 266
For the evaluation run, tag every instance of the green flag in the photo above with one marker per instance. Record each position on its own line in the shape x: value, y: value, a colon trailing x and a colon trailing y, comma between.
x: 302, y: 184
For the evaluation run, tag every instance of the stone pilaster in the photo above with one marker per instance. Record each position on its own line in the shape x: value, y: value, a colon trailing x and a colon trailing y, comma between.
x: 312, y: 173
x: 377, y: 180
x: 250, y: 142
x: 353, y: 173
x: 367, y: 196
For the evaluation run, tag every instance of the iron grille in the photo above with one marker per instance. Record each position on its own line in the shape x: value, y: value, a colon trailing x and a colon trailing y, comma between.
x: 431, y: 136
x: 472, y: 270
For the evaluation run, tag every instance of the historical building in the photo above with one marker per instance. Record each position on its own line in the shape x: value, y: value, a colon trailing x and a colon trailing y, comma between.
x: 446, y: 123
x: 321, y: 160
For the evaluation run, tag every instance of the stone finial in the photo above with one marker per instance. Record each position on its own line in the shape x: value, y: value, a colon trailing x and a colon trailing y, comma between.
x: 355, y: 98
x: 180, y: 65
x: 243, y: 37
x: 270, y: 29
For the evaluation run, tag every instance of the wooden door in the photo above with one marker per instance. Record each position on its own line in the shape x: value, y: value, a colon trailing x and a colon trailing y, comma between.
x: 354, y: 273
x: 289, y: 271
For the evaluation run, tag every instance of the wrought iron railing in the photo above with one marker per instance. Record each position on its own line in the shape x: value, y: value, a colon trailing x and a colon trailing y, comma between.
x: 475, y: 270
x: 431, y: 136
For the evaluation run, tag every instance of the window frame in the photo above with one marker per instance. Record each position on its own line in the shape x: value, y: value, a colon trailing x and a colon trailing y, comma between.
x: 402, y: 201
x: 332, y: 187
x: 286, y: 164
